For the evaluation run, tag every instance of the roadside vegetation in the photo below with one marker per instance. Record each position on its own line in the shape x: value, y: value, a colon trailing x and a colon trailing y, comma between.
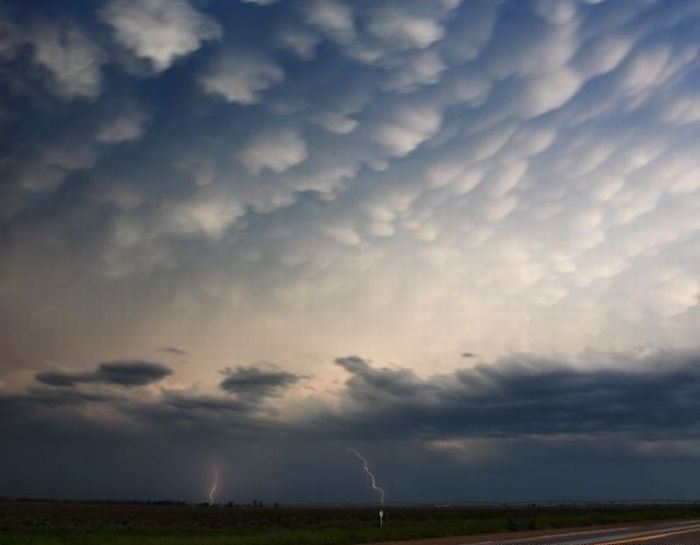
x: 169, y: 523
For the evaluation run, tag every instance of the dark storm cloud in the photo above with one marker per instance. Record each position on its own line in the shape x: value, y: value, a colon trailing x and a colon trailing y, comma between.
x: 126, y: 373
x: 368, y: 382
x: 49, y: 398
x: 255, y: 383
x: 655, y: 395
x: 198, y: 415
x: 652, y: 397
x: 517, y: 414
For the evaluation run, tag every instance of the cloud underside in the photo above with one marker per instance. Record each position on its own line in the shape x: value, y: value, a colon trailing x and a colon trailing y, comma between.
x: 121, y: 373
x: 642, y: 398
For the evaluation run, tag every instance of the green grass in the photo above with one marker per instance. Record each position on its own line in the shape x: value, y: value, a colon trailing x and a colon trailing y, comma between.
x: 68, y: 523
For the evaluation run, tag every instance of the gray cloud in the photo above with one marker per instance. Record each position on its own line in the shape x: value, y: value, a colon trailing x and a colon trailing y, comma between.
x: 174, y: 350
x: 125, y: 373
x: 649, y: 397
x: 71, y: 59
x: 254, y: 383
x: 639, y: 399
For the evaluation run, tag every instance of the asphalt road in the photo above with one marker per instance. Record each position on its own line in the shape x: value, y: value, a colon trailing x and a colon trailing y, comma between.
x: 679, y: 533
x: 662, y: 533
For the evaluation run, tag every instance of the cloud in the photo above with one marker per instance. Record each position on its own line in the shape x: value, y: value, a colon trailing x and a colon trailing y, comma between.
x: 547, y: 92
x: 275, y: 150
x: 368, y: 383
x: 556, y: 12
x: 525, y: 396
x: 404, y: 29
x: 424, y: 68
x: 125, y: 373
x: 405, y: 26
x: 520, y: 397
x: 682, y: 110
x: 255, y: 383
x: 241, y: 77
x: 407, y: 128
x: 603, y: 55
x: 21, y: 405
x: 174, y: 350
x: 160, y: 31
x: 72, y: 61
x: 332, y: 17
x: 208, y: 214
x: 129, y: 125
x: 301, y: 41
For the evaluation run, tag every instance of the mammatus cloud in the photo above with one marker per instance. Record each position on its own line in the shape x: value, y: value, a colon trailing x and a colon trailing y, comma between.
x: 126, y: 373
x: 402, y: 179
x: 241, y: 76
x: 129, y: 124
x: 159, y: 31
x: 275, y: 150
x: 71, y: 59
x: 407, y: 128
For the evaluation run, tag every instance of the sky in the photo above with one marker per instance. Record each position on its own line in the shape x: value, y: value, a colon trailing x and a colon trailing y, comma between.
x: 461, y: 237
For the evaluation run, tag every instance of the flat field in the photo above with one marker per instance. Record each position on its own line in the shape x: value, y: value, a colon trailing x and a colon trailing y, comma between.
x: 77, y: 523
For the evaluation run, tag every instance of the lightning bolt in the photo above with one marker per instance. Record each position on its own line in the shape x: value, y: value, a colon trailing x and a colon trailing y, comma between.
x: 214, y: 484
x: 370, y: 475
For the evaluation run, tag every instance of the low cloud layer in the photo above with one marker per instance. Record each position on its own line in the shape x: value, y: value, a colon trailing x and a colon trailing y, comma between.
x: 518, y: 397
x: 255, y: 383
x: 125, y: 373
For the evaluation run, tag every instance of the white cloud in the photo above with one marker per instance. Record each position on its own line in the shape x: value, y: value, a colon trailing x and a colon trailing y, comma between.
x: 682, y: 110
x: 546, y: 92
x: 645, y: 70
x: 471, y: 31
x: 556, y: 11
x: 504, y: 178
x: 273, y: 150
x: 603, y: 54
x: 421, y: 69
x: 332, y: 17
x: 534, y: 49
x: 241, y: 77
x: 300, y: 41
x: 498, y: 209
x: 586, y: 220
x: 404, y: 30
x: 335, y: 122
x: 342, y: 234
x: 160, y: 31
x: 469, y: 89
x: 407, y: 129
x: 72, y: 60
x: 208, y: 214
